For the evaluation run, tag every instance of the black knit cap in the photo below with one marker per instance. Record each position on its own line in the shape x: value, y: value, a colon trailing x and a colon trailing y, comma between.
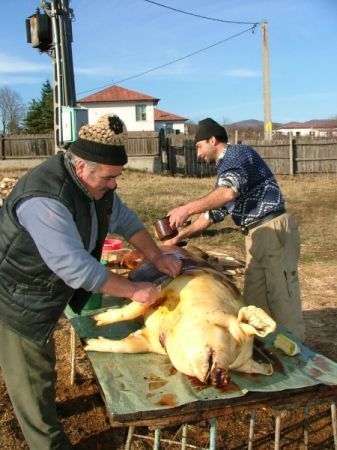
x: 208, y: 128
x: 103, y: 142
x: 114, y: 155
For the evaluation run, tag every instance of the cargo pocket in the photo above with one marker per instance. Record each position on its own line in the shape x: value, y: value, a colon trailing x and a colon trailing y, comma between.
x: 292, y: 284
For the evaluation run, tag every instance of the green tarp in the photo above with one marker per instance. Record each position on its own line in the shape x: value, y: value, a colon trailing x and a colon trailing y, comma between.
x: 131, y: 383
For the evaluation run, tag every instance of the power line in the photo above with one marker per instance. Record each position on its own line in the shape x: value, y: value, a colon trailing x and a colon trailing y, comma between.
x: 174, y: 61
x: 200, y: 16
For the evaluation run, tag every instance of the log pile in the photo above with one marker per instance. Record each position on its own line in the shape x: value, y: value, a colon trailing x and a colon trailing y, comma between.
x: 6, y: 185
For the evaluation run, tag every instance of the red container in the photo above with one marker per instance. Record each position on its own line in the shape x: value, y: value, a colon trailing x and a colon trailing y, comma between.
x: 112, y: 244
x: 109, y: 247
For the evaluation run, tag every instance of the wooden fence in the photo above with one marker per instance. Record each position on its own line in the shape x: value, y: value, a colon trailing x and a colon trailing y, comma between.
x: 178, y: 155
x: 26, y: 146
x: 285, y: 157
x: 143, y: 143
x: 298, y: 156
x: 31, y: 146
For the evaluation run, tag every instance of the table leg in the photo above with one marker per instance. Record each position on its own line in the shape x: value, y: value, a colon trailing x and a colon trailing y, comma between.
x: 72, y: 354
x: 334, y: 423
x: 129, y: 438
x: 212, y: 434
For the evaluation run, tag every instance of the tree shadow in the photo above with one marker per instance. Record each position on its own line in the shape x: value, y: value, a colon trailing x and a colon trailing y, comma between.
x: 78, y: 405
x: 321, y: 331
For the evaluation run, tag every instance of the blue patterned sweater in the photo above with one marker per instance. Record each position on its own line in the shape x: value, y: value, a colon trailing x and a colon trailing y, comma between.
x: 243, y: 169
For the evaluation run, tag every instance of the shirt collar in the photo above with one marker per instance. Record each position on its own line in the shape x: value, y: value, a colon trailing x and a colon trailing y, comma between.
x: 222, y: 154
x: 75, y: 178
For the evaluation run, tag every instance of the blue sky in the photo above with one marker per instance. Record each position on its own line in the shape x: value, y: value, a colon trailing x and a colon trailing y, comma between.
x: 114, y: 40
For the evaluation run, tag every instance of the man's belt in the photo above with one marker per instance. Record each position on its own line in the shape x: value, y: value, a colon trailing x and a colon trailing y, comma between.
x: 246, y: 228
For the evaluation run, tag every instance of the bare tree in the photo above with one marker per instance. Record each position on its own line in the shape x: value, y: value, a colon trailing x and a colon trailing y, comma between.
x: 12, y: 110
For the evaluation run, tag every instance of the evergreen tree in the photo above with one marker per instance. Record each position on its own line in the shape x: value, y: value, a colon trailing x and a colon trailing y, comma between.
x: 47, y: 104
x: 32, y: 119
x: 40, y: 115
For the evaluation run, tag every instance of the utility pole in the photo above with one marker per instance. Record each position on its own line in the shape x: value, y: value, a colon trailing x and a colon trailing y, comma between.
x: 52, y: 33
x: 268, y: 126
x: 64, y: 84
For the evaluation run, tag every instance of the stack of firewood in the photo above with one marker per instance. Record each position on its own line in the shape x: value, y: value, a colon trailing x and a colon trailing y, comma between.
x: 109, y: 129
x: 6, y: 185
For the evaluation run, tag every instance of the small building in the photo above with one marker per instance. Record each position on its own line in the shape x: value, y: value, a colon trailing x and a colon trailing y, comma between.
x: 137, y: 110
x: 313, y: 128
x: 170, y: 123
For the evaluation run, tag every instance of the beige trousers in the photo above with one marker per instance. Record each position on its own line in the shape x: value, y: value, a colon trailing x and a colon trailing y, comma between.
x: 271, y: 278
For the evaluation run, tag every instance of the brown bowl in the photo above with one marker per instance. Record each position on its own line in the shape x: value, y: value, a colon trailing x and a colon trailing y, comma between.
x: 163, y: 229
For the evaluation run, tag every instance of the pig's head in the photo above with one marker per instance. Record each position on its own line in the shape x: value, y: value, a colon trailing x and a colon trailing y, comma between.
x: 219, y: 342
x: 205, y: 354
x: 210, y: 367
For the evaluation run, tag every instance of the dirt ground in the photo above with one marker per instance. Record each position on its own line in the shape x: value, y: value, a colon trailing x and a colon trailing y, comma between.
x: 83, y: 415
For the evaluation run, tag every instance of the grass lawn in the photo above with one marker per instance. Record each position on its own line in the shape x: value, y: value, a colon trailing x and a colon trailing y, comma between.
x: 311, y: 199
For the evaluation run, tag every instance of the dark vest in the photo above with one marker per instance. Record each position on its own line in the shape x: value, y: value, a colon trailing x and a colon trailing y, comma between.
x: 32, y: 297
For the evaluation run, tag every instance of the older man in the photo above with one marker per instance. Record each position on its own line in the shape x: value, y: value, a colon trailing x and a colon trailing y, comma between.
x: 247, y: 190
x: 53, y: 225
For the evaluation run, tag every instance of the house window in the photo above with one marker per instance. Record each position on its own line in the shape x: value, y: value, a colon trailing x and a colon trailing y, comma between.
x: 140, y: 112
x: 169, y: 128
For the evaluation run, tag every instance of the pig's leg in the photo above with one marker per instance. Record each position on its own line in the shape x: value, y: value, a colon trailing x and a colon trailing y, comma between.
x: 254, y: 320
x: 136, y: 342
x: 128, y: 312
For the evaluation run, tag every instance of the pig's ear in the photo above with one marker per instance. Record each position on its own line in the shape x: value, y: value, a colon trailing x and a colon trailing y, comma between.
x: 254, y: 320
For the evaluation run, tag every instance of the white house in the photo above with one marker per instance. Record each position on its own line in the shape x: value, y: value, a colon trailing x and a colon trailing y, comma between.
x: 137, y: 110
x: 171, y: 123
x: 314, y: 128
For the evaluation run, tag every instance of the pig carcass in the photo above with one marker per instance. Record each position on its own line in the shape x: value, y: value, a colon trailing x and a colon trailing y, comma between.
x: 199, y: 320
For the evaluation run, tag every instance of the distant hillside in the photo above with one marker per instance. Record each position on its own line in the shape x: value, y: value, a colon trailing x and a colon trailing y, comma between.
x: 257, y: 125
x: 252, y: 128
x: 313, y: 123
x: 250, y: 124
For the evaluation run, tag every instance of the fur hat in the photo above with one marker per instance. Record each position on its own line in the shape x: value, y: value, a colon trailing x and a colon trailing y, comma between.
x: 208, y: 128
x: 103, y: 142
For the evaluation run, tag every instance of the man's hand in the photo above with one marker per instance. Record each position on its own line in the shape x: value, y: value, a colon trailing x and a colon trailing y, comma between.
x: 217, y: 198
x: 178, y: 216
x: 172, y: 241
x: 119, y: 286
x: 168, y: 264
x: 164, y: 263
x: 144, y: 293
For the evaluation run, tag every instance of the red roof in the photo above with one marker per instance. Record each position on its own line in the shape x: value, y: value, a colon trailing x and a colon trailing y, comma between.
x: 117, y: 94
x: 165, y: 116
